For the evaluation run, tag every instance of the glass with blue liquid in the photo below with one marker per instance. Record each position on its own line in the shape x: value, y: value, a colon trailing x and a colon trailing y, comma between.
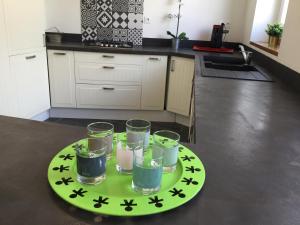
x: 91, y: 160
x: 167, y: 142
x: 147, y: 171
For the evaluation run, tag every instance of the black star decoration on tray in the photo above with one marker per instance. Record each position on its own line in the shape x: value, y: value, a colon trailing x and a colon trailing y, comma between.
x: 192, y: 169
x: 64, y: 181
x: 76, y: 193
x: 188, y: 158
x: 62, y: 168
x: 129, y: 205
x: 78, y: 146
x: 164, y: 141
x: 178, y: 193
x: 66, y: 157
x: 156, y: 201
x: 189, y: 181
x: 101, y: 201
x: 181, y: 149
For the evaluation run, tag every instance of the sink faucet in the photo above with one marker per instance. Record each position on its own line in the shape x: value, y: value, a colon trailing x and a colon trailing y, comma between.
x: 246, y: 54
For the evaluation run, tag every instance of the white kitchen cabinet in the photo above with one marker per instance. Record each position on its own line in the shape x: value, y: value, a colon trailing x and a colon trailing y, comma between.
x: 62, y: 78
x: 180, y: 85
x: 31, y: 81
x: 108, y: 96
x: 25, y: 25
x: 154, y: 83
x: 8, y: 104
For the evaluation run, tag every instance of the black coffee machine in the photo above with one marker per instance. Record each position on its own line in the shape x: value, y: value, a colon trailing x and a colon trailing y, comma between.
x: 217, y: 35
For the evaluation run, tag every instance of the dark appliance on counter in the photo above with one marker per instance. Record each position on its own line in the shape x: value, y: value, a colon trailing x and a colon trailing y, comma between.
x: 109, y: 44
x: 217, y: 36
x: 216, y: 44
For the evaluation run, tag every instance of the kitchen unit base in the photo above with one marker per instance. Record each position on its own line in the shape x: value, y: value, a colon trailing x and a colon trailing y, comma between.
x: 161, y: 116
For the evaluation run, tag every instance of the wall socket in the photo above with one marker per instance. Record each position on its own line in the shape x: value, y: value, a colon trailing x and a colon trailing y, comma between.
x: 146, y: 20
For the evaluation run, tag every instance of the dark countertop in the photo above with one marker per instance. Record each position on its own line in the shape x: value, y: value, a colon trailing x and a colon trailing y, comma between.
x: 248, y: 137
x: 74, y: 46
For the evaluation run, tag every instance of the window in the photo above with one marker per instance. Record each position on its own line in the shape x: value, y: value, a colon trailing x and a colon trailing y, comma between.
x: 283, y: 11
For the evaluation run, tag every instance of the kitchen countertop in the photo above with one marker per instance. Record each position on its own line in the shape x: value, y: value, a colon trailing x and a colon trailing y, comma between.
x: 247, y: 135
x: 75, y: 46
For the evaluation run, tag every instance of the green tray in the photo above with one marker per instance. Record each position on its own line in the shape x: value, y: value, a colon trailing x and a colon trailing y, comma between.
x: 115, y: 197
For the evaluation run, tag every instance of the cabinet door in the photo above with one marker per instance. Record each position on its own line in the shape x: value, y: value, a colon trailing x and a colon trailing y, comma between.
x: 180, y: 85
x: 30, y: 72
x: 8, y: 100
x: 154, y: 82
x: 62, y: 78
x: 25, y: 24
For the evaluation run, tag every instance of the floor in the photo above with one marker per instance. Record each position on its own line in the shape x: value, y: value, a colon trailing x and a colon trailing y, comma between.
x: 120, y: 125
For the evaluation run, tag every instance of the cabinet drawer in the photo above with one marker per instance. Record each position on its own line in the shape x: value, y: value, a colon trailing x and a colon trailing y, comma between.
x: 108, y: 58
x: 98, y: 73
x: 108, y: 96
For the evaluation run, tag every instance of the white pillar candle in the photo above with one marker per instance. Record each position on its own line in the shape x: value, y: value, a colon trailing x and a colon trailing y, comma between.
x: 124, y: 157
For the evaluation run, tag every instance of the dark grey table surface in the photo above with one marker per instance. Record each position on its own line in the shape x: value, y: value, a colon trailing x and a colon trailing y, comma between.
x: 248, y: 137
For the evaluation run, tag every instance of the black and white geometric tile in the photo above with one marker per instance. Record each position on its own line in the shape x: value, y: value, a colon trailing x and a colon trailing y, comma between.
x: 120, y: 6
x: 89, y: 33
x: 88, y: 4
x: 118, y: 20
x: 104, y: 5
x: 104, y: 13
x: 135, y: 36
x: 88, y: 18
x: 135, y: 21
x: 120, y: 35
x: 136, y: 6
x: 105, y: 33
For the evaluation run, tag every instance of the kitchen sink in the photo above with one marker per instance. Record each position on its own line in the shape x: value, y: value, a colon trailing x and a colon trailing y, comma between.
x: 231, y: 67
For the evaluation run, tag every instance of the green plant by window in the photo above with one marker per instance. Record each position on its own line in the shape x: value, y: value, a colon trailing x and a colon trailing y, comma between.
x: 275, y: 30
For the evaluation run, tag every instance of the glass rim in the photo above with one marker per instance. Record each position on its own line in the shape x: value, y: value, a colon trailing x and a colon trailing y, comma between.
x: 167, y: 131
x: 89, y: 127
x: 135, y: 127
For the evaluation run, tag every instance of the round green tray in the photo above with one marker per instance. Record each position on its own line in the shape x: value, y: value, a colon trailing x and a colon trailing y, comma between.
x: 114, y: 196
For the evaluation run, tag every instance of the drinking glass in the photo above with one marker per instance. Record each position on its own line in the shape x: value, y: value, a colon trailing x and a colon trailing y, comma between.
x: 167, y: 142
x: 102, y: 131
x: 138, y: 130
x: 147, y: 171
x: 91, y: 160
x: 125, y: 151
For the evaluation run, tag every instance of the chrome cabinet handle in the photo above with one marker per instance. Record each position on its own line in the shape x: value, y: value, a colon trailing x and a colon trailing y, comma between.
x: 108, y: 89
x: 108, y: 67
x: 59, y: 53
x: 108, y: 56
x: 154, y: 59
x: 172, y: 65
x: 30, y: 57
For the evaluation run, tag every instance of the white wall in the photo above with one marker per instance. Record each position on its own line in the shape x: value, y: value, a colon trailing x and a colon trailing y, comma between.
x: 64, y: 14
x: 198, y: 17
x: 289, y: 48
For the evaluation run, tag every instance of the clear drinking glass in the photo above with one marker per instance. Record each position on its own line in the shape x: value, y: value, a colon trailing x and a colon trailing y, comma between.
x: 102, y: 131
x: 167, y: 142
x: 147, y: 171
x: 138, y: 130
x: 91, y: 161
x: 125, y: 151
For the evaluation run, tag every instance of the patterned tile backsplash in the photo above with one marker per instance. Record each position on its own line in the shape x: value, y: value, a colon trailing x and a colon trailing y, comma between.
x: 112, y: 20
